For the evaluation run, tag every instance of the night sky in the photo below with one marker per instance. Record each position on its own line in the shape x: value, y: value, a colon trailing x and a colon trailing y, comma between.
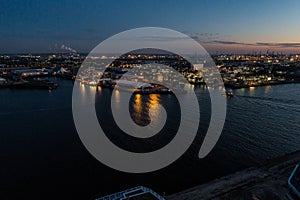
x: 35, y: 26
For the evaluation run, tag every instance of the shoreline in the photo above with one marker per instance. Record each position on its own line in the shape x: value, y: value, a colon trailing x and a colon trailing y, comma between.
x: 266, y: 181
x: 260, y: 85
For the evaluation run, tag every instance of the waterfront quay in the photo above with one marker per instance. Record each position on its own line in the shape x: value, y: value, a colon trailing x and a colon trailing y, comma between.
x: 35, y: 71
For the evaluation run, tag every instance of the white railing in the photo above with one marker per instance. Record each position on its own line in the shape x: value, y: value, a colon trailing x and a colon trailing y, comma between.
x: 123, y: 195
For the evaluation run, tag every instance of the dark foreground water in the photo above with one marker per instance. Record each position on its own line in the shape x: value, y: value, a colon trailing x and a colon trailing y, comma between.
x: 42, y: 157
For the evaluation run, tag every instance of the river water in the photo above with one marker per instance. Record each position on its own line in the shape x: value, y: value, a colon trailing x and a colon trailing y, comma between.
x: 41, y: 155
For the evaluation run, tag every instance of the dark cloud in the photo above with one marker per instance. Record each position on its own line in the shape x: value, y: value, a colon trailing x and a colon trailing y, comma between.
x: 229, y: 42
x: 293, y: 44
x: 258, y: 44
x: 204, y: 37
x: 225, y: 42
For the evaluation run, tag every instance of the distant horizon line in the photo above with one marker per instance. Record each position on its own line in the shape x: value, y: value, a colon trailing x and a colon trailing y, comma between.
x: 253, y: 53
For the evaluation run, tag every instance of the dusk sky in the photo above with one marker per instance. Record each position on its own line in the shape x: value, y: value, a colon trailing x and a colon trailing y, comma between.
x: 35, y: 26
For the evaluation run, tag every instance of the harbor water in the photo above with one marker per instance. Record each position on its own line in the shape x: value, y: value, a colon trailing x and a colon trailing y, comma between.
x: 42, y: 156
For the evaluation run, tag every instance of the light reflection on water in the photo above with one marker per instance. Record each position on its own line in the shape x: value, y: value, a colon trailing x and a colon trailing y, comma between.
x: 137, y: 106
x: 252, y: 119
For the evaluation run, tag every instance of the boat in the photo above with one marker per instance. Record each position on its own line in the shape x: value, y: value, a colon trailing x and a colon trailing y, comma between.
x: 228, y: 93
x: 92, y: 83
x: 33, y: 84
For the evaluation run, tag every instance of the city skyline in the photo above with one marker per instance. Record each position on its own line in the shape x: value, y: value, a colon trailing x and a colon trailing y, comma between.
x: 220, y: 26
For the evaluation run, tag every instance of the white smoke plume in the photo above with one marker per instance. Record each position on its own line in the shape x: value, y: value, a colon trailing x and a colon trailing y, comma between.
x: 64, y: 47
